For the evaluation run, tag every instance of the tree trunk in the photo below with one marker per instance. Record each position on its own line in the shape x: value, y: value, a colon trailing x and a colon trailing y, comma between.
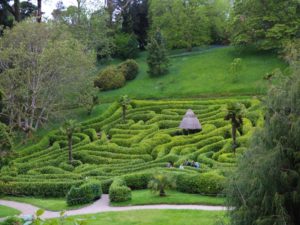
x: 162, y: 192
x: 234, y: 145
x: 17, y: 10
x: 70, y: 148
x: 39, y: 11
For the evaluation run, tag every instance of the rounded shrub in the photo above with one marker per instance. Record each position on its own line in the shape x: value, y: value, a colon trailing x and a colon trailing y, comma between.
x: 110, y: 78
x: 85, y: 193
x: 129, y: 68
x: 118, y: 191
x: 76, y: 163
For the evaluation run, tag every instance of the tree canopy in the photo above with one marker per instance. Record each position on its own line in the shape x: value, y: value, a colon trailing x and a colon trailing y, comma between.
x: 265, y: 24
x: 37, y: 77
x: 266, y: 186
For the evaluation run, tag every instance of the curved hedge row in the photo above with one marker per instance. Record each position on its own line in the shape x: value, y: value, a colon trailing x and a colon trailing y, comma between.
x: 107, y: 147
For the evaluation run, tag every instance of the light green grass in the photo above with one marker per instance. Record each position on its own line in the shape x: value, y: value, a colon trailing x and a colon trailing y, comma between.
x: 145, y: 197
x: 153, y: 217
x: 52, y: 204
x: 7, y: 211
x: 205, y: 74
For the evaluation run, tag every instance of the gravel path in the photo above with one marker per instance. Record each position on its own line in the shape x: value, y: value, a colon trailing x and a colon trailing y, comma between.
x: 102, y: 205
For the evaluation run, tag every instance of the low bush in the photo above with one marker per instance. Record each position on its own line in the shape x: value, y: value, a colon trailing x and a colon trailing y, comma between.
x: 84, y: 194
x: 118, y: 191
x: 110, y: 78
x: 12, y: 221
x: 129, y: 68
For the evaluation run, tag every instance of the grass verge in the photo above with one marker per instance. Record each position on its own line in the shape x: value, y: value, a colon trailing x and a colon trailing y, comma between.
x: 145, y: 197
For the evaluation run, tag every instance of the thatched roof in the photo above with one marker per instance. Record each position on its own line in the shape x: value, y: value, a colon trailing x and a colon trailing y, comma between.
x: 190, y: 121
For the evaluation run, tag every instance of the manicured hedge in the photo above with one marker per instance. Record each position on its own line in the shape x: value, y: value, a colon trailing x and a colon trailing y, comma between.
x: 40, y: 189
x: 85, y: 193
x: 118, y: 191
x: 210, y: 183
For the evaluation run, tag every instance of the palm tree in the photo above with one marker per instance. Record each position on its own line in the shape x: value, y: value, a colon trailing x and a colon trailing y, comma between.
x: 160, y: 183
x: 234, y: 114
x: 124, y: 101
x: 69, y: 128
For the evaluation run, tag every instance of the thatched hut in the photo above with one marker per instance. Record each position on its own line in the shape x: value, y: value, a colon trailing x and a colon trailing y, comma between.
x: 190, y: 122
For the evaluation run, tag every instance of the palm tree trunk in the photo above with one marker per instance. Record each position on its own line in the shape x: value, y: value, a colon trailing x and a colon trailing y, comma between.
x: 70, y: 148
x: 124, y: 112
x: 234, y: 145
x: 162, y: 192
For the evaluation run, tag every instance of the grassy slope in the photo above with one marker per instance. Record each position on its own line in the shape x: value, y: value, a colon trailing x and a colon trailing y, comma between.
x: 202, y: 74
x: 154, y: 217
x: 7, y: 211
x: 53, y: 204
x: 145, y: 197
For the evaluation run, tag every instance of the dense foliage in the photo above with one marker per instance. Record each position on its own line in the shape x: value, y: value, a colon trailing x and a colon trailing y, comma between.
x: 110, y: 78
x: 107, y: 147
x: 186, y: 24
x: 85, y: 193
x: 37, y: 78
x: 157, y: 59
x: 129, y: 68
x: 266, y: 186
x: 265, y: 24
x: 119, y: 192
x: 5, y: 140
x: 126, y: 46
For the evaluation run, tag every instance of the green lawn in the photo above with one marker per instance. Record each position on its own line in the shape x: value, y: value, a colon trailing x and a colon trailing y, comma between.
x: 204, y: 74
x: 7, y: 211
x: 145, y: 197
x: 53, y: 204
x: 153, y: 217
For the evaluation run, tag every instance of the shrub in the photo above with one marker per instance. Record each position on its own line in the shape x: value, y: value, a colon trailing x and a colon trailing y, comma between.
x: 76, y: 163
x: 210, y: 183
x: 66, y: 166
x: 12, y: 221
x: 138, y: 180
x: 119, y: 192
x: 109, y: 78
x: 84, y: 194
x: 129, y: 68
x: 127, y: 46
x: 161, y: 182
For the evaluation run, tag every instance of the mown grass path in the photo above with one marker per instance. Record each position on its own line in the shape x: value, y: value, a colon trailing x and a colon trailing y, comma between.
x: 102, y: 205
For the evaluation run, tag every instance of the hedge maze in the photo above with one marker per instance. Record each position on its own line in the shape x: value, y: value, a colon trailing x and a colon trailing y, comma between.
x: 107, y: 148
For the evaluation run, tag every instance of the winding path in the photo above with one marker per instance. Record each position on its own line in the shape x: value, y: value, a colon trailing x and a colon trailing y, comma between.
x: 101, y: 205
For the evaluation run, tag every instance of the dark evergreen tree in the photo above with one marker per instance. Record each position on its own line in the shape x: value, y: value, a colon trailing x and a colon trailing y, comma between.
x: 158, y: 61
x: 265, y: 24
x: 265, y: 189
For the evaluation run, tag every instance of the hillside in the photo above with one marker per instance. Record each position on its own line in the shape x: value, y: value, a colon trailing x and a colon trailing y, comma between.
x: 201, y: 73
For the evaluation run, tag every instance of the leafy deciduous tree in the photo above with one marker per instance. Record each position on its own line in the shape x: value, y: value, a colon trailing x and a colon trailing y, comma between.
x: 265, y: 24
x: 43, y: 70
